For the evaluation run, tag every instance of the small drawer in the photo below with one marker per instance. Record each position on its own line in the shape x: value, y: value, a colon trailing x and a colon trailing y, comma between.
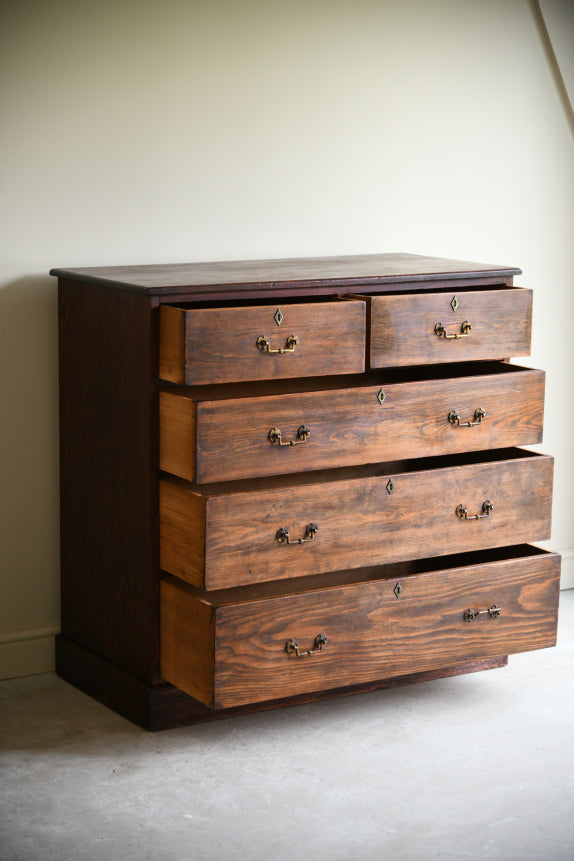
x: 430, y: 328
x: 260, y: 342
x: 237, y: 646
x: 224, y: 433
x: 237, y: 533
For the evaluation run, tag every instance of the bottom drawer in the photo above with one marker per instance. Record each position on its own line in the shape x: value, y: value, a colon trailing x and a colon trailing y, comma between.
x: 238, y: 646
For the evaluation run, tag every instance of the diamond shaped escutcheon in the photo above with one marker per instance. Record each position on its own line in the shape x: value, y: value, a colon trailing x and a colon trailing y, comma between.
x: 454, y: 303
x: 278, y: 316
x: 390, y: 486
x: 397, y: 590
x: 381, y: 397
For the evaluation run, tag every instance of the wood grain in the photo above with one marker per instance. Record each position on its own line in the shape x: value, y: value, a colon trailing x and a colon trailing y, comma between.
x: 221, y: 343
x: 162, y: 706
x: 182, y: 520
x: 187, y: 642
x: 372, y: 633
x: 177, y: 435
x: 108, y: 488
x: 348, y: 425
x: 402, y: 327
x: 297, y: 274
x: 359, y: 522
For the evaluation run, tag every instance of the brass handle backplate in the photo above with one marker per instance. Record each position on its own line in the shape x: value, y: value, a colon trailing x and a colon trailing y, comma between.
x: 292, y: 647
x: 440, y: 331
x: 462, y: 511
x: 264, y: 344
x: 470, y: 614
x: 282, y: 535
x: 454, y: 418
x: 303, y: 433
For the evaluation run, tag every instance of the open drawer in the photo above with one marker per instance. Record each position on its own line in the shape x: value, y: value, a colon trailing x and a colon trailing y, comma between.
x: 215, y: 433
x: 217, y: 536
x: 449, y: 326
x: 238, y: 646
x: 234, y: 342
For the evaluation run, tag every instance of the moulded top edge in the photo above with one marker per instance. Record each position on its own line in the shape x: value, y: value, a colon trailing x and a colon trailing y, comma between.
x: 290, y: 274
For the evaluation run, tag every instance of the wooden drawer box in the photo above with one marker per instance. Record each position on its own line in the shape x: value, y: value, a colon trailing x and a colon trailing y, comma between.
x: 218, y: 433
x: 236, y: 533
x: 229, y: 648
x: 431, y: 328
x: 274, y: 341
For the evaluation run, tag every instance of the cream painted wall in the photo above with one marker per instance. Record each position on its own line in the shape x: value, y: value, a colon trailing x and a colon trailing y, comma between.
x: 137, y: 132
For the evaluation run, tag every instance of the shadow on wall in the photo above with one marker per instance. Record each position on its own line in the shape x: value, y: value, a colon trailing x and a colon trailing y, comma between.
x: 29, y: 454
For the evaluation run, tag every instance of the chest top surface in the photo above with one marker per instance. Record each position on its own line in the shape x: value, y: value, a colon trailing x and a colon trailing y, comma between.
x: 293, y: 275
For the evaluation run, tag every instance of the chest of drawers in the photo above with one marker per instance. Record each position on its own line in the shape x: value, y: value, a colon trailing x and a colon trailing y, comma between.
x: 294, y: 479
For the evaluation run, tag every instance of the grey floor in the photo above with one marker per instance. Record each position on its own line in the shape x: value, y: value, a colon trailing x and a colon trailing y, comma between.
x: 479, y: 766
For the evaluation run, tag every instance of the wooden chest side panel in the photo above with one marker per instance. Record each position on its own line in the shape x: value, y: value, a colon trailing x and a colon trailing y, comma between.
x: 360, y: 523
x: 108, y: 476
x: 402, y: 328
x: 373, y: 634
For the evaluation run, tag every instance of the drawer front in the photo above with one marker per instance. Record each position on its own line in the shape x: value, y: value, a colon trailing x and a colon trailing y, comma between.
x: 220, y: 345
x: 370, y: 632
x: 293, y: 530
x: 239, y: 438
x: 422, y: 329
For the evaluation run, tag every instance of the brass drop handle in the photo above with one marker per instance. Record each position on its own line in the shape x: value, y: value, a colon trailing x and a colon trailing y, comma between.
x: 264, y: 344
x: 282, y: 535
x: 303, y: 433
x: 462, y: 511
x: 441, y: 332
x: 470, y: 614
x: 292, y: 647
x: 454, y: 418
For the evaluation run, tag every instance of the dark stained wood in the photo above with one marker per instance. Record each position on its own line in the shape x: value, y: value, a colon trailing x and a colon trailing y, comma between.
x: 220, y: 344
x: 359, y: 522
x: 108, y: 448
x: 275, y: 276
x: 163, y: 706
x: 371, y: 633
x: 207, y: 439
x: 221, y: 533
x: 402, y: 327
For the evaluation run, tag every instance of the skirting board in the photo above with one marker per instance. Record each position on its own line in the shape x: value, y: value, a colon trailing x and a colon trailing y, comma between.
x: 28, y: 653
x: 567, y: 575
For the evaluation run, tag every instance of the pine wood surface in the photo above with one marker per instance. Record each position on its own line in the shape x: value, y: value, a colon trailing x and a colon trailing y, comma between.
x: 402, y: 327
x: 220, y: 344
x: 371, y: 633
x: 208, y: 440
x: 232, y: 540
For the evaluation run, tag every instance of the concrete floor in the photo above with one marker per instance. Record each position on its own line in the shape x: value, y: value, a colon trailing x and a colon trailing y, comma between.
x: 479, y: 766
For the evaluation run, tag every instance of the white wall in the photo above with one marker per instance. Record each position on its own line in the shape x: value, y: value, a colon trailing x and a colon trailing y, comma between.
x: 168, y: 131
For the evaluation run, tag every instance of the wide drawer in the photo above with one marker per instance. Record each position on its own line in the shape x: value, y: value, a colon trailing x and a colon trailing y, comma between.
x: 228, y: 649
x: 223, y: 535
x: 259, y: 342
x: 223, y: 433
x: 413, y: 329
